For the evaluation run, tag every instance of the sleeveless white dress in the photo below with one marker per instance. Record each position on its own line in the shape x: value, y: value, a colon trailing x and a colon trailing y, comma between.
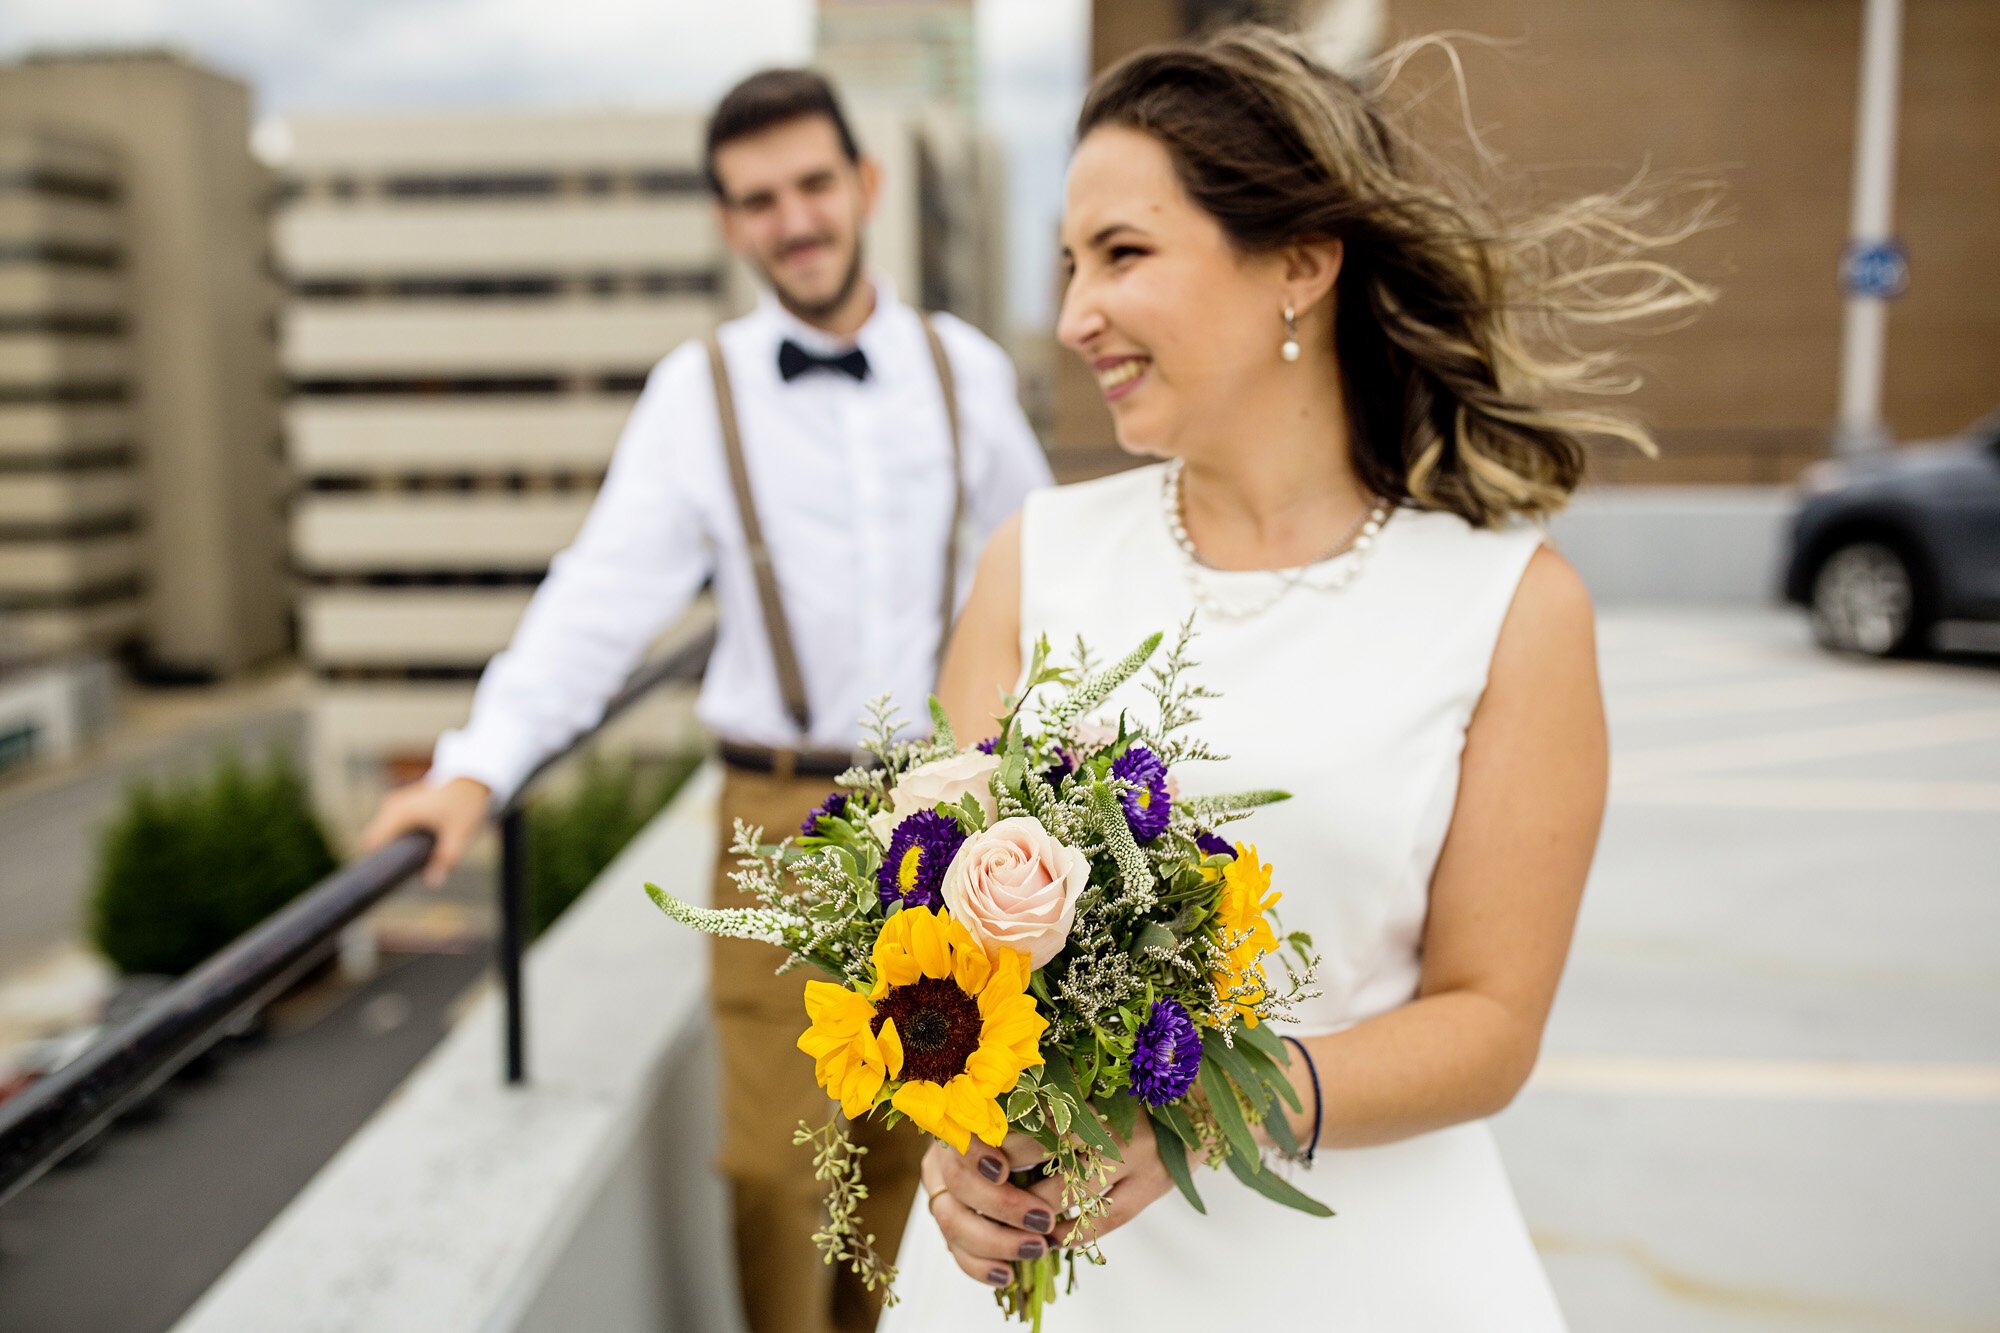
x: 1356, y: 702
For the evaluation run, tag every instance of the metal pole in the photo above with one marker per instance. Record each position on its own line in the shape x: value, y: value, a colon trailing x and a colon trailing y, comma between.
x: 1863, y: 335
x: 513, y: 931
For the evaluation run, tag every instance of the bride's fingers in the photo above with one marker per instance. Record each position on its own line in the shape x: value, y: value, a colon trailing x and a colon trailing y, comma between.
x: 979, y: 1243
x: 1019, y: 1149
x: 978, y: 1180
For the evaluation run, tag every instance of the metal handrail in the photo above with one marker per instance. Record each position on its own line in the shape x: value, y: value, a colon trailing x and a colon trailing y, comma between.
x: 57, y: 1114
x: 682, y: 663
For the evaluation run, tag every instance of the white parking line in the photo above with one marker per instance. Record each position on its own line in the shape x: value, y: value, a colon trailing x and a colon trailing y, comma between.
x: 1791, y: 747
x: 1761, y: 697
x: 1816, y: 794
x: 1776, y: 1080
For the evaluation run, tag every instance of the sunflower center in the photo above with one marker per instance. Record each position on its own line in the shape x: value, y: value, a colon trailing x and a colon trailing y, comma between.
x: 939, y: 1025
x: 906, y: 875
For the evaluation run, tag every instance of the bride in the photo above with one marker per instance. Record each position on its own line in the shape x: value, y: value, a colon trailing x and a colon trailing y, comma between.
x: 1332, y: 356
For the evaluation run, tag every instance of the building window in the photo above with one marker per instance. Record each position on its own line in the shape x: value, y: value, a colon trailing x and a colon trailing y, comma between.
x: 66, y: 325
x: 668, y: 182
x: 522, y: 185
x: 18, y: 744
x: 63, y: 253
x: 44, y: 181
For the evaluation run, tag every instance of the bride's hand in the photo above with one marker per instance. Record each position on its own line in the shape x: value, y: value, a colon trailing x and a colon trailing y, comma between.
x: 1135, y: 1183
x: 987, y: 1223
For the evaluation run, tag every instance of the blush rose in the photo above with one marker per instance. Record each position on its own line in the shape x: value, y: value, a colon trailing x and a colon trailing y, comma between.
x: 946, y: 782
x: 1014, y: 886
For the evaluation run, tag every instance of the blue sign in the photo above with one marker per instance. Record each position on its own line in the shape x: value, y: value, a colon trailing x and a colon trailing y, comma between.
x: 1877, y: 269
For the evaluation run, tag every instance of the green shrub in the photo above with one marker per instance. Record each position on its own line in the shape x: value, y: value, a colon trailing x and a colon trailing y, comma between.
x: 571, y: 838
x: 188, y: 866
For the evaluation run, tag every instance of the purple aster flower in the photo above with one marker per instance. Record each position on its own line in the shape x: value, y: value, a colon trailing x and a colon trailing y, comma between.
x: 834, y: 806
x: 919, y: 850
x: 1211, y: 845
x: 1166, y: 1055
x: 989, y: 745
x: 1148, y: 808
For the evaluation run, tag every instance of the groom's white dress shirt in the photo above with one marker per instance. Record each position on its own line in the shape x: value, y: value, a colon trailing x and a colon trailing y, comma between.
x: 853, y: 487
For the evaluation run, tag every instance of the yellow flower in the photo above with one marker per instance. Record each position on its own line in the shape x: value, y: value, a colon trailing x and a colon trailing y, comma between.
x: 1241, y: 921
x: 849, y: 1059
x: 953, y: 1022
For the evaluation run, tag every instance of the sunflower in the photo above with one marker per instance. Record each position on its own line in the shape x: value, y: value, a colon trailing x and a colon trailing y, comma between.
x: 950, y: 1025
x: 1242, y: 924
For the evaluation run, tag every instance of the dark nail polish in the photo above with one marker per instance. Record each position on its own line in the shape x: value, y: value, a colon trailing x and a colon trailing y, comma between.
x: 1032, y: 1249
x: 992, y: 1168
x: 1038, y: 1220
x: 999, y: 1277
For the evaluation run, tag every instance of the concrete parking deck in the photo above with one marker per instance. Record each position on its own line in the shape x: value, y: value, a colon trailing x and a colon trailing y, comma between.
x: 1770, y: 1096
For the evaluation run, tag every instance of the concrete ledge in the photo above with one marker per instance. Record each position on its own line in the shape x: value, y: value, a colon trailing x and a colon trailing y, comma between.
x: 1700, y: 545
x: 467, y: 1206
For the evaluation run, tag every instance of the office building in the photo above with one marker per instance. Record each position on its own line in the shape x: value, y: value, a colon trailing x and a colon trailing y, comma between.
x: 1759, y: 100
x: 475, y: 301
x: 141, y: 482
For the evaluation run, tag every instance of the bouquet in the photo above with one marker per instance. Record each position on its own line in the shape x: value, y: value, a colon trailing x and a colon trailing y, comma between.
x: 1039, y: 934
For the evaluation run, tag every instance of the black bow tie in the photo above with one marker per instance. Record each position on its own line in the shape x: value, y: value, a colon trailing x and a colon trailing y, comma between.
x: 794, y: 361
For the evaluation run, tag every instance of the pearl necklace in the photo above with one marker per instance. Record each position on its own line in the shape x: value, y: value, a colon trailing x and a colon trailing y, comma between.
x: 1359, y: 541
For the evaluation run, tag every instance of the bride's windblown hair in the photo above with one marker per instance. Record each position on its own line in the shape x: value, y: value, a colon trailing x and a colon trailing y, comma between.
x: 1457, y: 327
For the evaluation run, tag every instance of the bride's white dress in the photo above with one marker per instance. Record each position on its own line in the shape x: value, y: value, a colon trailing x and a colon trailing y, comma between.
x: 1355, y: 701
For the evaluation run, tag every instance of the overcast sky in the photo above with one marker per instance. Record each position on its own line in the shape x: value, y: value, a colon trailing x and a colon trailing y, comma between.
x: 327, y: 55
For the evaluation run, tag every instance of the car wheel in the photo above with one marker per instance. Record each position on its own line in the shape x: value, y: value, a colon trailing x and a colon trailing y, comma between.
x: 1865, y: 599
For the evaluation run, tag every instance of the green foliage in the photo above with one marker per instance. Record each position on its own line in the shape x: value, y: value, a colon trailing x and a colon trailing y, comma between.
x: 571, y: 838
x: 190, y: 865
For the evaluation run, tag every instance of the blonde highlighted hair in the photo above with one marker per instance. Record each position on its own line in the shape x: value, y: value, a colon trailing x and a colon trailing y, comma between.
x: 1458, y: 329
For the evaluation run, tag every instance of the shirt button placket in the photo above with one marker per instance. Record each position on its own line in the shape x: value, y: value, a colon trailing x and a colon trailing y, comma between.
x: 862, y: 449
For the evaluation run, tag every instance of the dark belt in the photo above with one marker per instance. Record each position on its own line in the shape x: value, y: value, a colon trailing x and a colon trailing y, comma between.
x: 792, y: 763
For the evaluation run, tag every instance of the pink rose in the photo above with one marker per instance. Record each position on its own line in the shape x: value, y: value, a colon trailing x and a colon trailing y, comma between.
x: 1093, y: 735
x: 945, y: 782
x: 1013, y: 886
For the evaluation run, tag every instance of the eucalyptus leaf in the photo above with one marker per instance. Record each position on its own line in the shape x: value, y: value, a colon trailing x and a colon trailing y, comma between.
x: 1173, y: 1156
x: 1239, y: 1071
x: 1057, y: 1073
x: 1272, y: 1075
x: 1277, y: 1189
x: 1263, y: 1039
x: 1092, y: 1131
x: 1176, y: 1115
x: 1121, y: 1112
x: 1222, y: 1101
x: 1279, y: 1126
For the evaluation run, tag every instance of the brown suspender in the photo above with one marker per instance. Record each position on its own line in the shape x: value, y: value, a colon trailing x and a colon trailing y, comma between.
x: 784, y: 653
x: 950, y: 388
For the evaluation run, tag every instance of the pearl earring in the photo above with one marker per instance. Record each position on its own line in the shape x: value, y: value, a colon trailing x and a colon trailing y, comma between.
x: 1289, y: 348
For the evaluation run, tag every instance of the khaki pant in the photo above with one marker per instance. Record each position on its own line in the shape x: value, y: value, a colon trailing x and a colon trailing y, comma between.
x: 767, y: 1089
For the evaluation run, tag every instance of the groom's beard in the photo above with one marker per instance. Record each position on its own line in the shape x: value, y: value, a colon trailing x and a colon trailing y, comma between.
x: 814, y: 311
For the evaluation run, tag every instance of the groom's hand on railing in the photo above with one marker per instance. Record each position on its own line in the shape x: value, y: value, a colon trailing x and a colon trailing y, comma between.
x: 450, y: 812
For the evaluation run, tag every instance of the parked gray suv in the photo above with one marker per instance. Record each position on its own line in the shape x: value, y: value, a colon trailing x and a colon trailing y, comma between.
x: 1887, y: 546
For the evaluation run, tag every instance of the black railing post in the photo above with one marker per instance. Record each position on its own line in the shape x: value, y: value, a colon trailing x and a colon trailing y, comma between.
x: 40, y: 1126
x: 513, y: 933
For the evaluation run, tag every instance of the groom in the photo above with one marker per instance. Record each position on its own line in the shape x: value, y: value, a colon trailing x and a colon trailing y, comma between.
x: 817, y: 460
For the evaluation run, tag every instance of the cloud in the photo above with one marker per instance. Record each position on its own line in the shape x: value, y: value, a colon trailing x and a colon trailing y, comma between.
x: 336, y: 55
x: 415, y: 53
